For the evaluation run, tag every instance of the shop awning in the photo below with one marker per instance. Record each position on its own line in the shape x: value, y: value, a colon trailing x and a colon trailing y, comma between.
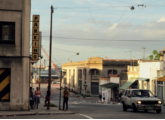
x: 128, y: 83
x: 110, y: 85
x: 162, y: 79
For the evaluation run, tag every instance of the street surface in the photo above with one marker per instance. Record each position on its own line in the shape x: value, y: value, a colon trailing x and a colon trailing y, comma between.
x: 84, y: 110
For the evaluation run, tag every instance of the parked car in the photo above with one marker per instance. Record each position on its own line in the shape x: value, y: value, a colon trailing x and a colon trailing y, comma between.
x: 138, y: 99
x: 54, y: 82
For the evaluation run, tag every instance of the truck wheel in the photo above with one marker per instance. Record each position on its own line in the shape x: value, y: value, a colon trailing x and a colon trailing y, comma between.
x: 134, y: 108
x: 124, y: 107
x: 158, y: 111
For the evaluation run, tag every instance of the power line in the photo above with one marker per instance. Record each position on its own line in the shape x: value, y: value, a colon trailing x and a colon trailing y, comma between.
x: 106, y: 39
x: 61, y: 49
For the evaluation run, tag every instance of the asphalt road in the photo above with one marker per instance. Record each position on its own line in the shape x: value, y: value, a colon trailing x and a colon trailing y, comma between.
x: 84, y: 110
x: 105, y: 111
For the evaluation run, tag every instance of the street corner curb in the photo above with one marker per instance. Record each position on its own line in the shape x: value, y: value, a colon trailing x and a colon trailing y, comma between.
x: 13, y: 115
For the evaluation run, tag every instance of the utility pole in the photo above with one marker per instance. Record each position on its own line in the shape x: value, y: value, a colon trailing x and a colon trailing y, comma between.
x: 50, y: 55
x: 130, y: 55
x: 143, y: 52
x: 39, y: 74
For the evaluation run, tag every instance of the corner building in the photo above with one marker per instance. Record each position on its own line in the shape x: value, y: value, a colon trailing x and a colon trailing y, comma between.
x: 14, y: 54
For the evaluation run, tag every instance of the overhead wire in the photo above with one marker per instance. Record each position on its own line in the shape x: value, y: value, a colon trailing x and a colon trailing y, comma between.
x: 118, y: 34
x: 61, y: 49
x: 110, y: 40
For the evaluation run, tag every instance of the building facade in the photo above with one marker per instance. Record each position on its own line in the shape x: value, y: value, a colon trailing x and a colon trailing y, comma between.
x: 14, y: 54
x: 89, y: 72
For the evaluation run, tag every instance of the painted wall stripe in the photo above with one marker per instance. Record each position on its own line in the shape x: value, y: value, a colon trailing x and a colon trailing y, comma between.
x: 4, y: 75
x: 5, y: 91
x: 4, y: 83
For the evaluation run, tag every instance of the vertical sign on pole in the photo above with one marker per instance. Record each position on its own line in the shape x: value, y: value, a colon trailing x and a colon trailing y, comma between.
x: 35, y: 38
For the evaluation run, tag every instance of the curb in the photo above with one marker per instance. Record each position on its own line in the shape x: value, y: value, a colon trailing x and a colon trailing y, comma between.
x: 13, y: 115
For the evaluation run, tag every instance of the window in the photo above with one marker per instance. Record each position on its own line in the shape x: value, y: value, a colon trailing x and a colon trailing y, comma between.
x: 128, y: 92
x: 80, y: 74
x: 73, y: 77
x: 7, y: 32
x: 125, y: 94
x: 142, y: 93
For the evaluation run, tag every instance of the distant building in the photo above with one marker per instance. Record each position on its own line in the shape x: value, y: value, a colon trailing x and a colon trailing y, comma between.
x: 91, y: 72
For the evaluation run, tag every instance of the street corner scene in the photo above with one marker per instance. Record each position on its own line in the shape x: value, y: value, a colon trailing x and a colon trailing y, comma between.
x: 82, y: 59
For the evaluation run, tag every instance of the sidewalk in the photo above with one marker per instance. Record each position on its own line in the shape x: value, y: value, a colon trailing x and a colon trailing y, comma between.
x: 41, y: 111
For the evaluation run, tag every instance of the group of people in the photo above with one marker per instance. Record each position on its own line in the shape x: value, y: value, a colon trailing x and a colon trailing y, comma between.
x: 34, y: 98
x: 100, y: 96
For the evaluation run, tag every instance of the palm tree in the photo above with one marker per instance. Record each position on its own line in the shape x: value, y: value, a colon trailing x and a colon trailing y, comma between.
x: 155, y: 55
x: 151, y: 57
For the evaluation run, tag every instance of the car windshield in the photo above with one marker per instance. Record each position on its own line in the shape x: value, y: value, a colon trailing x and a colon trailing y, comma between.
x: 142, y: 93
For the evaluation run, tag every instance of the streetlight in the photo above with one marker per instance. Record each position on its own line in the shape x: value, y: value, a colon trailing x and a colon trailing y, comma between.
x: 60, y: 89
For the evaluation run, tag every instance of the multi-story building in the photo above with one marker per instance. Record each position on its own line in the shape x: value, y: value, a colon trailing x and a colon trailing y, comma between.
x: 14, y: 54
x: 89, y: 72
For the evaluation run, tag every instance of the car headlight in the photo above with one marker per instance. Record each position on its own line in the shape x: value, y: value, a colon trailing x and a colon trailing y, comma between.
x: 139, y: 102
x: 159, y: 102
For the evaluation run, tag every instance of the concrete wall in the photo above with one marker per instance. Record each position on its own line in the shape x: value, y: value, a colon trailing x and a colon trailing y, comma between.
x: 19, y: 52
x: 149, y: 70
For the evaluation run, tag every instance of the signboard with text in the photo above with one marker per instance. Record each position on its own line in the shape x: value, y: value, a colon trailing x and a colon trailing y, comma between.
x: 35, y: 38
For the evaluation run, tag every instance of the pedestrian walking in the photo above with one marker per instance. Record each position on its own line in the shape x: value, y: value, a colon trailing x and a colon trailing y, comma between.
x: 100, y: 96
x: 65, y: 98
x: 104, y: 97
x: 31, y: 98
x: 37, y: 96
x: 47, y: 98
x: 120, y: 94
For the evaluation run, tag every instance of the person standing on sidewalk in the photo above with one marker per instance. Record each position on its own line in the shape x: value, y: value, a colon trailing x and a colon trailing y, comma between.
x: 31, y: 98
x: 104, y: 97
x: 65, y: 98
x: 47, y: 98
x: 100, y: 96
x: 37, y: 95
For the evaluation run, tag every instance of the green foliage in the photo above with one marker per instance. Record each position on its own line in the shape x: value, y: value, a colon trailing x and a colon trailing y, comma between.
x: 151, y: 57
x: 51, y: 105
x: 154, y: 52
x: 155, y: 55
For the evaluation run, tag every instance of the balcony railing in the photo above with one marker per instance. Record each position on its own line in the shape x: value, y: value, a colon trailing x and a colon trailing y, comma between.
x: 94, y: 77
x: 133, y: 69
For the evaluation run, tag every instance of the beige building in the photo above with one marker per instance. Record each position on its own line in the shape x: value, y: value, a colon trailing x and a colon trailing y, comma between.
x: 14, y: 54
x: 89, y: 72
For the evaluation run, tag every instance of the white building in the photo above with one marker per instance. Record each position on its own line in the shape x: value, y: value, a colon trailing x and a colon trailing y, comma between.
x: 152, y: 70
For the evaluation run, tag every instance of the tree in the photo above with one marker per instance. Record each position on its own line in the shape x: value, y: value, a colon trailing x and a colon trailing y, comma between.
x: 155, y: 55
x: 151, y: 57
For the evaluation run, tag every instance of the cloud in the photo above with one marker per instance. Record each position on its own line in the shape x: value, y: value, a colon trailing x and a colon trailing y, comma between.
x: 162, y: 19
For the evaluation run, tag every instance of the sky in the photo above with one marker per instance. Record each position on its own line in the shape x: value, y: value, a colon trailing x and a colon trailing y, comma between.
x: 101, y: 28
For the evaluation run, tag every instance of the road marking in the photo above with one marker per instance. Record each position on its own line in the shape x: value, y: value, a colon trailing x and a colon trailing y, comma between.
x: 86, y: 116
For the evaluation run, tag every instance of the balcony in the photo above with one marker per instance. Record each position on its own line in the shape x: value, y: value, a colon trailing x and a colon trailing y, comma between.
x: 94, y: 77
x: 133, y: 69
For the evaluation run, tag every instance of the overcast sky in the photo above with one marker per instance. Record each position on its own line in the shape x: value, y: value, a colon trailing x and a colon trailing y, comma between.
x: 90, y: 27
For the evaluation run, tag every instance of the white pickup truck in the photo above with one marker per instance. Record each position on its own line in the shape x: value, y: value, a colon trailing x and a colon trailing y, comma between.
x: 138, y: 99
